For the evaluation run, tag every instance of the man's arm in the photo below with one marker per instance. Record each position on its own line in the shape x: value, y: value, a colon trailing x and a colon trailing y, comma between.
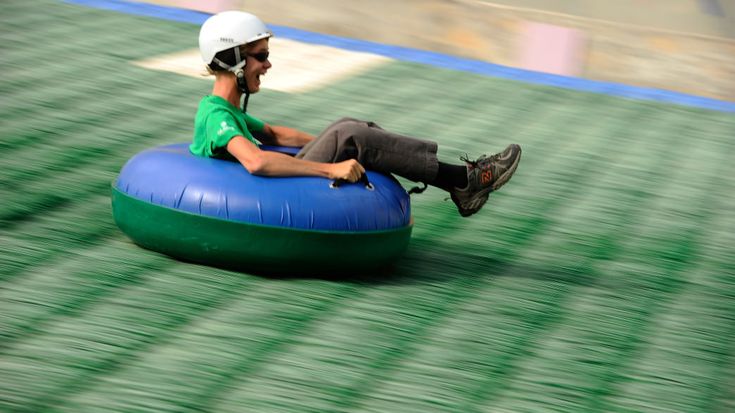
x: 269, y: 163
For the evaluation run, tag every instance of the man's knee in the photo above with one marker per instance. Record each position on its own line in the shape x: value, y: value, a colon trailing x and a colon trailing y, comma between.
x: 352, y: 127
x: 344, y: 122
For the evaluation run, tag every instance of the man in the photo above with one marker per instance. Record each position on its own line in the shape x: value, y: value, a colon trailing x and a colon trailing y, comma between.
x: 234, y: 46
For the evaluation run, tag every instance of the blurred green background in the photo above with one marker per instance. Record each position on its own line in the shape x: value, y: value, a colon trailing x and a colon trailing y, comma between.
x: 601, y: 279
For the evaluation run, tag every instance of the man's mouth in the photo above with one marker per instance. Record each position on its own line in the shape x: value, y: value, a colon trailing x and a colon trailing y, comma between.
x: 258, y: 80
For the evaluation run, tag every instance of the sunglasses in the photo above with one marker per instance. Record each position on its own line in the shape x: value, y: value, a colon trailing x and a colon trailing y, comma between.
x: 261, y: 56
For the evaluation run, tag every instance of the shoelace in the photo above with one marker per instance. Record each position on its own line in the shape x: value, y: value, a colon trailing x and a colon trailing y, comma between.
x: 475, y: 163
x: 466, y: 158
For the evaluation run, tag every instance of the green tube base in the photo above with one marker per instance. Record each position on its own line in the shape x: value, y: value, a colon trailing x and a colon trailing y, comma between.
x: 253, y: 247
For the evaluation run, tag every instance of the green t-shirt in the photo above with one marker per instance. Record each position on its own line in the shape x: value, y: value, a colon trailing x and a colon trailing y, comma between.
x: 217, y: 121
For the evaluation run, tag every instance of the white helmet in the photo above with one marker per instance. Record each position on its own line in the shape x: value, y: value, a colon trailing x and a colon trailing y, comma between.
x: 228, y: 30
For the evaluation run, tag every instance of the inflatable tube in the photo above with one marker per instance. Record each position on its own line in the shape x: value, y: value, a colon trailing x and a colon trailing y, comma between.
x: 214, y: 212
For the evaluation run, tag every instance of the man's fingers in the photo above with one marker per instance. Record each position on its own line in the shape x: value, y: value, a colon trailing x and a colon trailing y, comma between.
x: 352, y: 176
x: 353, y: 172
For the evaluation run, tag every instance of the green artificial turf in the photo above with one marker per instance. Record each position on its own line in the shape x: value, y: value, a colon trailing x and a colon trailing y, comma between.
x: 602, y: 278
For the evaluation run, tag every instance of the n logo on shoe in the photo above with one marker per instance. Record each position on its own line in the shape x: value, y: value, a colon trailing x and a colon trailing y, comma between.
x: 486, y: 177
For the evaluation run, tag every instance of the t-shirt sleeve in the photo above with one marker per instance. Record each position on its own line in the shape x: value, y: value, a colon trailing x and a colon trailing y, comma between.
x: 254, y: 124
x: 221, y: 127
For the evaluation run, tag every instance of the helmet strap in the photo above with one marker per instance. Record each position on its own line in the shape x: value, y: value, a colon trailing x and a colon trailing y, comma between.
x: 242, y: 85
x: 244, y: 102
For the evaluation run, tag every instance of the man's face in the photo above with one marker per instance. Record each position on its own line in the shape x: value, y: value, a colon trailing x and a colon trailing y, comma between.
x: 255, y: 68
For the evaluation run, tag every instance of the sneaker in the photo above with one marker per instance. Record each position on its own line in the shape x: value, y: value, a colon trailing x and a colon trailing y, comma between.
x: 486, y: 174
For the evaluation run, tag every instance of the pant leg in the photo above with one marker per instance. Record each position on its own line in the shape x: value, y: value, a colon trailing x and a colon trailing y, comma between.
x: 375, y: 148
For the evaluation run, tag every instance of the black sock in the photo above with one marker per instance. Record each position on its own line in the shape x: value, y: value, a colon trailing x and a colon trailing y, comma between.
x: 450, y: 176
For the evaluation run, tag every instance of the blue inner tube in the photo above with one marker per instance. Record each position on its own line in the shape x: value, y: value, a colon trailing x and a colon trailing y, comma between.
x: 169, y: 184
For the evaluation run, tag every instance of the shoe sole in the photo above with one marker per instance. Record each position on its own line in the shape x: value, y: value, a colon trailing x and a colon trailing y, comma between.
x: 466, y: 213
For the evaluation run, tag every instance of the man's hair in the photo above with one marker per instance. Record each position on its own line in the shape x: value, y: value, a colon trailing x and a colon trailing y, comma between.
x: 227, y: 56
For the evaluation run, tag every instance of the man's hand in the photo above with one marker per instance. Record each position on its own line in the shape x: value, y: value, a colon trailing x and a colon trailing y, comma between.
x: 349, y: 170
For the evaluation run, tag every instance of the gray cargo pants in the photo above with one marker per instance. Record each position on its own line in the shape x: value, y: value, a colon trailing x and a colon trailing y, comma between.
x: 375, y: 148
